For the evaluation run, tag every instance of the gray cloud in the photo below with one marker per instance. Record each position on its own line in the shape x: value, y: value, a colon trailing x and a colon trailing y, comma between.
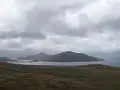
x: 17, y: 53
x: 36, y: 19
x: 25, y: 34
x: 61, y: 29
x: 58, y: 25
x: 112, y: 25
x: 14, y: 45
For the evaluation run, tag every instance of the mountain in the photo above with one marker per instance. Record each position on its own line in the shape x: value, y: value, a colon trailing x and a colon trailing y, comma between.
x: 67, y: 56
x: 4, y: 59
x: 71, y: 57
x: 34, y: 57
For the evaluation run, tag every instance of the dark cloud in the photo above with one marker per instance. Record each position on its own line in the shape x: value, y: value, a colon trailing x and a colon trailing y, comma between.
x: 25, y: 34
x: 17, y: 53
x: 37, y: 19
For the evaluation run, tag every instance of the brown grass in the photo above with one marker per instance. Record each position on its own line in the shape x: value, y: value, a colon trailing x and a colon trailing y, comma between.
x: 93, y: 77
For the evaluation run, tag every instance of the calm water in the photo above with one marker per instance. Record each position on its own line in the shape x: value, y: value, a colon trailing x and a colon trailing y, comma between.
x: 30, y: 62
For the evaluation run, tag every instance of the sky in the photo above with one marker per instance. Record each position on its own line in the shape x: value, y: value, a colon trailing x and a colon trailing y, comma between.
x: 51, y: 26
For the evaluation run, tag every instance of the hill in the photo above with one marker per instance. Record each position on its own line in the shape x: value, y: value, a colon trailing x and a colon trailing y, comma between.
x: 92, y: 77
x: 4, y: 59
x: 67, y: 56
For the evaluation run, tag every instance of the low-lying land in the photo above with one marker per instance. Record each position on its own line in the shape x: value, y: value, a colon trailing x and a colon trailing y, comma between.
x: 91, y: 77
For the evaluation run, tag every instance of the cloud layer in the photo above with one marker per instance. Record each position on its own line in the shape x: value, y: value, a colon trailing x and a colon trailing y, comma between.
x: 58, y: 25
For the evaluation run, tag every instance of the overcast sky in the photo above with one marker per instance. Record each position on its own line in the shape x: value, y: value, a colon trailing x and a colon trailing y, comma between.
x: 28, y: 26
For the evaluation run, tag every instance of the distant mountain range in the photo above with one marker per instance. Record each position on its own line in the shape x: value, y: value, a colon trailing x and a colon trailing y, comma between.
x: 67, y: 56
x: 4, y: 59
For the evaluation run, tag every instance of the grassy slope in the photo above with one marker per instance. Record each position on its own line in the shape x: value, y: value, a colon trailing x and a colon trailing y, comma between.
x: 95, y: 77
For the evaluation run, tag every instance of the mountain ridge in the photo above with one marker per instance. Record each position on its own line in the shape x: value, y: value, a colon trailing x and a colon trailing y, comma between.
x: 67, y: 56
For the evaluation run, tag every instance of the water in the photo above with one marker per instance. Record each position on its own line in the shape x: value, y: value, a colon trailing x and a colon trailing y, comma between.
x: 112, y: 62
x: 44, y: 63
